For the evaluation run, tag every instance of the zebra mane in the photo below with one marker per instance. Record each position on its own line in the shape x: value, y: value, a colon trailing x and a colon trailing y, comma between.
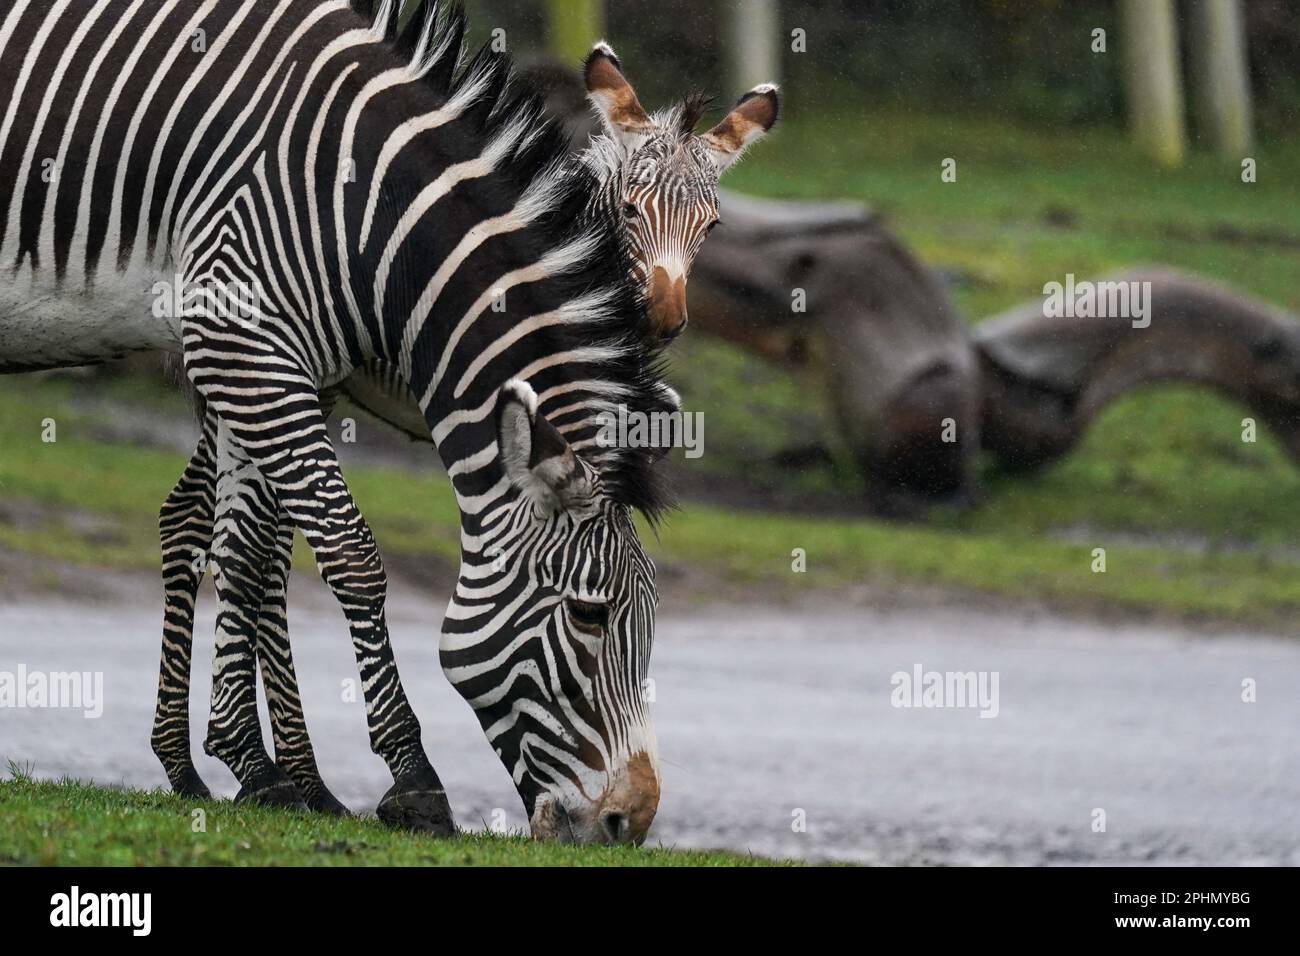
x: 603, y: 156
x: 612, y: 326
x: 685, y: 116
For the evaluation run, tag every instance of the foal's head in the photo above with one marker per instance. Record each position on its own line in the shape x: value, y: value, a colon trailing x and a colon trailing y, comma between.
x: 665, y: 176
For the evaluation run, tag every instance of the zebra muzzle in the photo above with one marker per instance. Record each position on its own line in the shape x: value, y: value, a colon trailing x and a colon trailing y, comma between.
x: 667, y: 303
x: 622, y: 814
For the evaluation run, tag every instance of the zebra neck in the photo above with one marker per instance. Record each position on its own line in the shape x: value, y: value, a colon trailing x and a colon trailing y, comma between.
x: 531, y: 285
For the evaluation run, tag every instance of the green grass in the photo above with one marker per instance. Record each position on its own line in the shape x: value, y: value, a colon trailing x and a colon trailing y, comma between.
x: 66, y: 823
x: 98, y: 500
x: 1246, y: 587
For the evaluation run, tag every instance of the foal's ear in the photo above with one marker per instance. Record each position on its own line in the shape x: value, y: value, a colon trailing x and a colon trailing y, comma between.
x: 535, y: 456
x: 751, y: 117
x: 613, y: 96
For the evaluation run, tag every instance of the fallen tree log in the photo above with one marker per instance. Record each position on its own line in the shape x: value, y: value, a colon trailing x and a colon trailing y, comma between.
x: 1044, y: 379
x: 917, y: 393
x: 827, y: 287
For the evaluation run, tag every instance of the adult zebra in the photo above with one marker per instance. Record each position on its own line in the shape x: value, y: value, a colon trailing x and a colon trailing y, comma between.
x: 655, y: 173
x: 375, y: 199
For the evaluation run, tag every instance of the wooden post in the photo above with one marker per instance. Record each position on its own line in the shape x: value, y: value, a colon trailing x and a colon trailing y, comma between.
x: 1220, y: 77
x: 1152, y: 79
x: 572, y: 26
x: 752, y: 37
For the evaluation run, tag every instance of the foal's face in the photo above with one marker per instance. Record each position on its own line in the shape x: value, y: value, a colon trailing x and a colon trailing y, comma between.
x: 669, y: 176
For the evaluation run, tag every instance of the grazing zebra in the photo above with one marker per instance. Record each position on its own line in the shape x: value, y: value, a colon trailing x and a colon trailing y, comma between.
x: 655, y: 173
x: 377, y: 198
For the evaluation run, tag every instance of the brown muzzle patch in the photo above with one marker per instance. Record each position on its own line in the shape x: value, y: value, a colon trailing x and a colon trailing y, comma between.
x: 667, y: 304
x: 638, y: 796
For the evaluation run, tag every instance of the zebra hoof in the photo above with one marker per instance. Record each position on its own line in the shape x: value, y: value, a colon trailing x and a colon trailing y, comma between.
x: 271, y: 788
x: 188, y: 783
x: 315, y: 794
x: 415, y: 806
x: 322, y: 801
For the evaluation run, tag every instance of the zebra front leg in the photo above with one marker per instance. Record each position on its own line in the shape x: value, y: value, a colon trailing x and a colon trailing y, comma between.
x: 293, y: 750
x: 244, y: 549
x: 185, y: 532
x: 301, y: 467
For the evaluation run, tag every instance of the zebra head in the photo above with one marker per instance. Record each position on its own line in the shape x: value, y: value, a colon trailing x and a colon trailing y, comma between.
x: 548, y: 636
x: 666, y: 181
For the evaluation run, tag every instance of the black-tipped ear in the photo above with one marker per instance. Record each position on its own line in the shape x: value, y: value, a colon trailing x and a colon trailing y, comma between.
x: 600, y: 50
x: 753, y: 115
x: 673, y: 403
x: 612, y: 95
x: 535, y: 456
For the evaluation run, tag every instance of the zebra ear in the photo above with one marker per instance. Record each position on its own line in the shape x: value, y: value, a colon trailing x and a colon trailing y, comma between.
x: 753, y: 115
x: 612, y: 95
x: 535, y: 456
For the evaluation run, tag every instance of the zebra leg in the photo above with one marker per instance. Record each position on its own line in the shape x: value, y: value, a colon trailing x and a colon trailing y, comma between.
x: 293, y: 750
x: 185, y: 530
x: 303, y: 472
x: 245, y: 542
x: 186, y: 523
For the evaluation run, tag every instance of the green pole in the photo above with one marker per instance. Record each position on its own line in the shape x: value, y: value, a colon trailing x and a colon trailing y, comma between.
x: 572, y: 26
x: 1153, y: 78
x: 1222, y: 80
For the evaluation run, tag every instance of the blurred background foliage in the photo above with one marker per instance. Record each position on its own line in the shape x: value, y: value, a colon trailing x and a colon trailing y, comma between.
x: 1018, y: 59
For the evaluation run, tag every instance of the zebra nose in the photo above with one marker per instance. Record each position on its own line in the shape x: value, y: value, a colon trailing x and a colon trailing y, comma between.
x: 667, y: 303
x: 614, y: 823
x: 628, y: 807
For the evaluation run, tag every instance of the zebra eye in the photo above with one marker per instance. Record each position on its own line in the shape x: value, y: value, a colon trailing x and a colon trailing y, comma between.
x: 630, y: 210
x: 714, y: 225
x: 588, y: 616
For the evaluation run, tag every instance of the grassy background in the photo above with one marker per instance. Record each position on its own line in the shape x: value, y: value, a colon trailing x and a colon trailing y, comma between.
x: 1195, y: 522
x: 1030, y: 205
x: 66, y: 823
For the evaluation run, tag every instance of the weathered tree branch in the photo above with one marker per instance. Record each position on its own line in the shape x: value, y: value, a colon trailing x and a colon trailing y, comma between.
x: 879, y: 330
x: 1045, y: 379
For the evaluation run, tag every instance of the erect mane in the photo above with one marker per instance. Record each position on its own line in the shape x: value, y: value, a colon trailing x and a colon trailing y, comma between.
x: 625, y: 355
x: 690, y: 110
